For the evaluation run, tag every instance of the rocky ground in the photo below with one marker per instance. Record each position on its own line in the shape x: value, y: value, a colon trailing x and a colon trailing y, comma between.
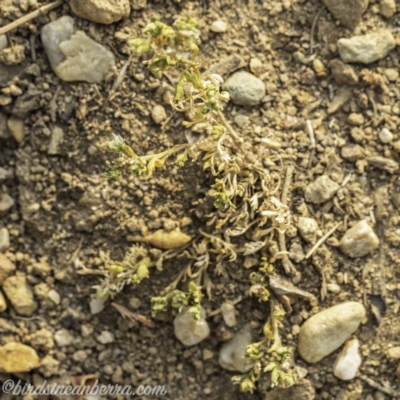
x: 315, y: 81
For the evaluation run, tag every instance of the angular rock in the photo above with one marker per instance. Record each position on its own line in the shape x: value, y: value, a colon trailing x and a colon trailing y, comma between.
x: 321, y: 190
x: 348, y: 361
x: 366, y: 49
x: 188, y: 330
x: 17, y: 128
x: 17, y: 358
x: 359, y: 240
x: 6, y: 268
x: 101, y: 11
x: 63, y: 338
x: 231, y: 355
x: 75, y: 56
x: 105, y: 337
x: 342, y: 96
x: 226, y: 65
x: 245, y: 89
x: 20, y: 295
x: 86, y: 60
x: 343, y: 74
x: 348, y: 12
x: 327, y: 330
x: 352, y: 152
x: 6, y: 203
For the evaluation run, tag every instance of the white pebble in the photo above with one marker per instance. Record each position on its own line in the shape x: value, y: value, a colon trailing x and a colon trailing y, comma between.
x: 188, y: 330
x: 158, y: 114
x: 105, y: 337
x: 96, y: 306
x: 63, y: 338
x: 348, y: 361
x: 219, y: 26
x: 385, y: 136
x: 228, y: 313
x: 54, y: 296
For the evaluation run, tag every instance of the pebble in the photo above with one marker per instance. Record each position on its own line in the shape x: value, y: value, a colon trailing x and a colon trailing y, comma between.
x: 355, y: 119
x: 321, y: 190
x: 388, y: 8
x: 366, y: 49
x: 75, y: 56
x: 18, y: 358
x: 189, y: 331
x: 242, y: 121
x: 54, y: 296
x: 6, y: 203
x: 3, y: 304
x: 352, y: 152
x: 53, y: 34
x: 348, y: 361
x: 385, y: 136
x: 296, y: 252
x: 219, y: 26
x: 231, y: 355
x: 359, y: 240
x: 20, y: 294
x: 56, y: 139
x: 256, y: 66
x: 96, y: 306
x: 341, y: 97
x: 308, y: 228
x: 16, y: 128
x: 302, y: 390
x: 6, y: 268
x: 49, y: 366
x: 392, y: 74
x: 158, y: 114
x: 245, y: 89
x: 101, y: 11
x: 228, y: 313
x: 327, y: 330
x: 348, y: 12
x: 63, y: 338
x: 105, y: 337
x: 343, y: 74
x: 3, y: 42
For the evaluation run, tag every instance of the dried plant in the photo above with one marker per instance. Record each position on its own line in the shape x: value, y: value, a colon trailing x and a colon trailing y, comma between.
x: 245, y: 194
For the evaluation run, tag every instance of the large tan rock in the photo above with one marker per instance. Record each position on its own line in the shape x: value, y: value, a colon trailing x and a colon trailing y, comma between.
x: 327, y: 330
x: 101, y: 11
x: 20, y: 295
x: 17, y: 358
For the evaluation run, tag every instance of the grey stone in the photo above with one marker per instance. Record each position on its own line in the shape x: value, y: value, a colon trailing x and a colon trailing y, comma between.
x: 321, y: 190
x: 343, y: 74
x: 366, y: 49
x: 308, y: 229
x: 53, y: 34
x: 359, y: 240
x: 348, y: 12
x: 231, y: 355
x: 327, y: 330
x: 245, y: 89
x: 4, y: 239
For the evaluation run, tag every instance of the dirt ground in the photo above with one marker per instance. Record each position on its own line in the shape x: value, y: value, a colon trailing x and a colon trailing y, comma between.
x: 68, y: 215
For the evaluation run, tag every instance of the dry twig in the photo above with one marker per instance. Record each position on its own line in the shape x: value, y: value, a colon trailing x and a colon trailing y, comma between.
x: 28, y: 17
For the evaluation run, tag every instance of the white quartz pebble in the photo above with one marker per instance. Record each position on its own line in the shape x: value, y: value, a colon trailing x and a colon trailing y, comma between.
x: 348, y: 361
